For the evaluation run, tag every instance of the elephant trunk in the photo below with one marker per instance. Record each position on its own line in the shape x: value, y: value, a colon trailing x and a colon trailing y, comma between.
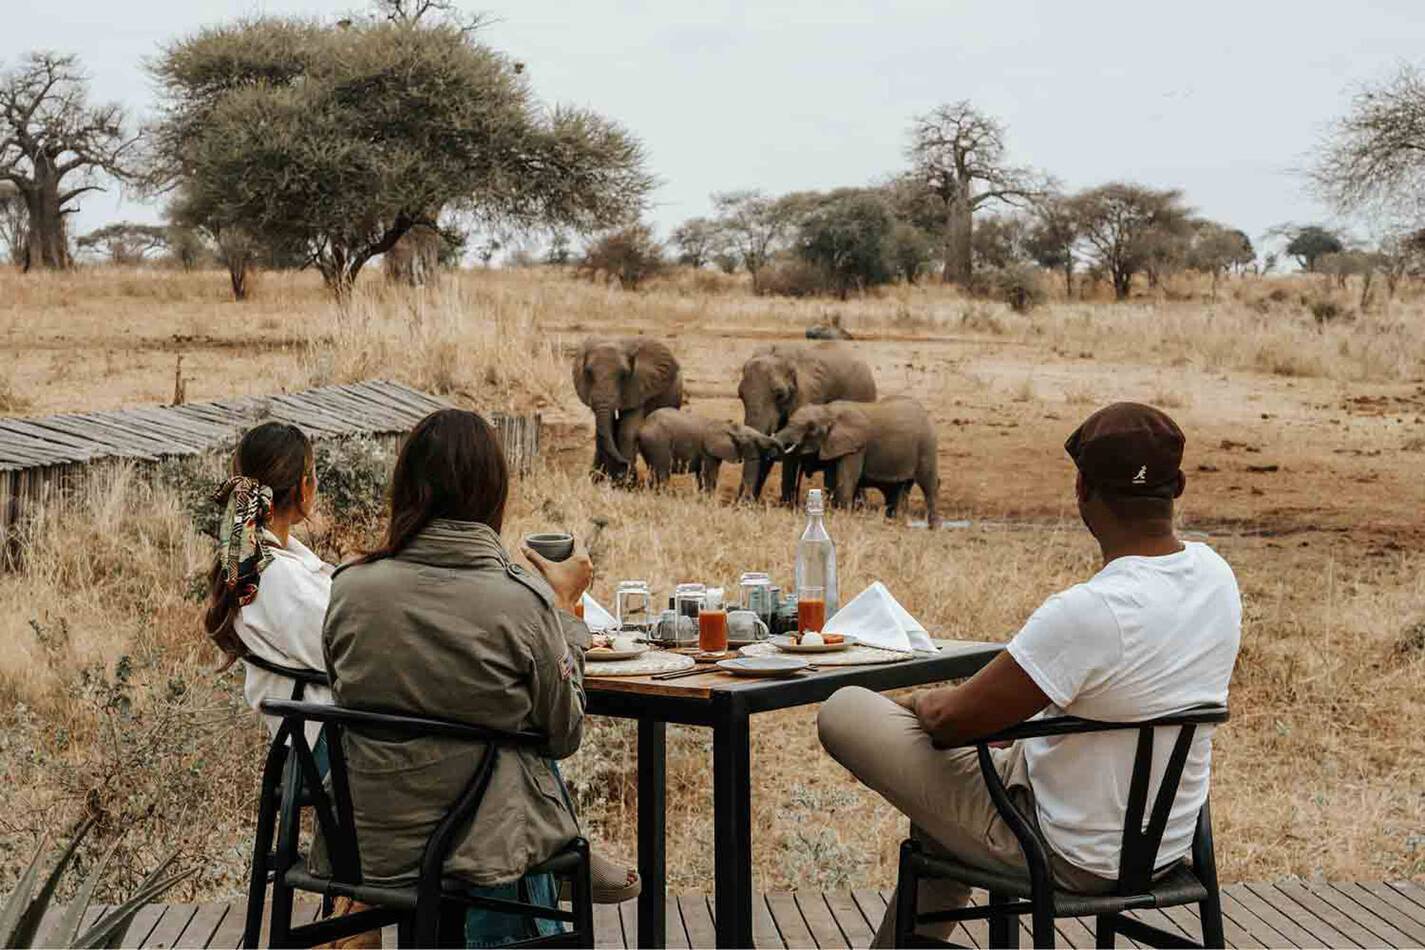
x: 604, y: 426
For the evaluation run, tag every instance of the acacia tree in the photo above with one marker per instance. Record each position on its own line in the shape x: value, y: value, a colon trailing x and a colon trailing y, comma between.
x: 847, y: 235
x: 1309, y: 243
x: 56, y: 146
x: 1374, y: 156
x: 698, y: 240
x: 125, y: 242
x: 1216, y: 249
x: 1053, y: 235
x: 1123, y: 224
x: 755, y: 226
x: 338, y: 141
x: 958, y: 154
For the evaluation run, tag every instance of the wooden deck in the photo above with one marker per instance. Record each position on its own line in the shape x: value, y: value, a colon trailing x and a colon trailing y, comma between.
x: 1283, y: 914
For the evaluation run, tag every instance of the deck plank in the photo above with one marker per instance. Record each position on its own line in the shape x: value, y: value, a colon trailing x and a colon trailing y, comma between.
x: 1326, y: 922
x: 789, y: 920
x: 1397, y: 900
x: 1407, y: 924
x: 1410, y: 891
x: 229, y: 932
x: 1260, y: 930
x: 1285, y: 924
x: 202, y: 926
x: 608, y: 932
x: 170, y: 925
x: 764, y: 928
x: 849, y: 918
x: 1350, y: 915
x: 698, y: 919
x: 820, y: 921
x: 676, y: 933
x: 142, y: 924
x: 1256, y: 915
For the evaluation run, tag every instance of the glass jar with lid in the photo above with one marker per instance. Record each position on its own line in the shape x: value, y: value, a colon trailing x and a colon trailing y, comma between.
x: 688, y: 601
x: 633, y: 605
x: 757, y: 595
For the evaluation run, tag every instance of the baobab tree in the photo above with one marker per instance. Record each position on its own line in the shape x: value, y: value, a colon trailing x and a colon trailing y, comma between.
x: 958, y: 154
x: 56, y: 146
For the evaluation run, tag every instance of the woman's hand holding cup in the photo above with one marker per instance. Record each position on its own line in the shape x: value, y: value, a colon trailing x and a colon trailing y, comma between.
x: 569, y: 578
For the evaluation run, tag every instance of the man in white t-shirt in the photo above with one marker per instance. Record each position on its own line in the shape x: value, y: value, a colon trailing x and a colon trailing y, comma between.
x: 1154, y: 632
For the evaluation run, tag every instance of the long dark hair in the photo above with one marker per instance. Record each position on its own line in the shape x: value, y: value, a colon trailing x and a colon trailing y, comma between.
x: 451, y: 466
x: 279, y: 456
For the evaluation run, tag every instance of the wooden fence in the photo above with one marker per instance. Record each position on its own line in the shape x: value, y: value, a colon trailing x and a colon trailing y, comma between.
x: 44, y: 460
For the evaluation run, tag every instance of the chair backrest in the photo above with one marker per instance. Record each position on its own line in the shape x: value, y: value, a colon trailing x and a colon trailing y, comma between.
x: 1141, y: 844
x: 333, y: 811
x: 300, y: 676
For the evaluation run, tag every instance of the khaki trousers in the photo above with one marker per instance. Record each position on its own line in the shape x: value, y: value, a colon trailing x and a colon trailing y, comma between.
x: 942, y: 793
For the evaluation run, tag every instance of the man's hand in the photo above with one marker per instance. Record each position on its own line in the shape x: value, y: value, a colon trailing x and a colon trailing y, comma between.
x: 569, y: 578
x: 997, y: 697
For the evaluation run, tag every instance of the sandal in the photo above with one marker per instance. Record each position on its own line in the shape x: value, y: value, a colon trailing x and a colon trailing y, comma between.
x: 613, y: 883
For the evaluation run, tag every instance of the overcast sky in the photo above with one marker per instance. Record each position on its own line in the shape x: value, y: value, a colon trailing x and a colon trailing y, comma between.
x: 1220, y: 99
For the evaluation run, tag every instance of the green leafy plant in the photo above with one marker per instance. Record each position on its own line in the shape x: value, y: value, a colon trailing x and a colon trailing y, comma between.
x: 20, y: 917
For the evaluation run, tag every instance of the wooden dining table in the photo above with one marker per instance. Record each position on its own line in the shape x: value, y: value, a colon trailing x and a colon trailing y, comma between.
x: 726, y: 703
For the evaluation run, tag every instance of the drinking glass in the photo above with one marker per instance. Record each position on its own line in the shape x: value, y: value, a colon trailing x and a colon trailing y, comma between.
x: 688, y: 601
x: 712, y: 623
x: 757, y: 595
x: 633, y: 604
x: 811, y: 609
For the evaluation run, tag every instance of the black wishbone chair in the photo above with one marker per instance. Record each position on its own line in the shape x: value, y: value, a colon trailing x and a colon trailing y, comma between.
x: 1139, y: 888
x: 263, y: 858
x: 429, y: 912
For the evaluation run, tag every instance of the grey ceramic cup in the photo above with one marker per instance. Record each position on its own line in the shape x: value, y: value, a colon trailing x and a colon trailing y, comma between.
x: 551, y: 545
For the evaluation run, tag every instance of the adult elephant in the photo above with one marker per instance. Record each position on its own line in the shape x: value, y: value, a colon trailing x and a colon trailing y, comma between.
x: 782, y: 378
x: 623, y: 380
x: 890, y: 445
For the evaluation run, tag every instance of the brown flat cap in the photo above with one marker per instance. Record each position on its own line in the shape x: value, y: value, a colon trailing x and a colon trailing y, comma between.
x: 1130, y: 449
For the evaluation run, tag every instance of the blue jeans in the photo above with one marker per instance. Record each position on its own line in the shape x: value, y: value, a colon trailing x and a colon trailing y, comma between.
x: 492, y: 928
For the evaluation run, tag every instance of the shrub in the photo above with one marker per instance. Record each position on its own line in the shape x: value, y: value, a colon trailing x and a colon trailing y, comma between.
x: 793, y: 277
x: 1325, y: 311
x: 1016, y: 286
x: 629, y: 256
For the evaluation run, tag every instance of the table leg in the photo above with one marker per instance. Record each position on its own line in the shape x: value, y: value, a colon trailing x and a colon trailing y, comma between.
x: 652, y: 858
x: 732, y: 822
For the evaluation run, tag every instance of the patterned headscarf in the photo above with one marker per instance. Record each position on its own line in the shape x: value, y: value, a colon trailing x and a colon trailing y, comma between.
x: 242, y: 550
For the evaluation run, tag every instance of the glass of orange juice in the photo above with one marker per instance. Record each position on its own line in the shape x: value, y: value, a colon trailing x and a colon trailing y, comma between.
x: 811, y: 609
x: 712, y: 622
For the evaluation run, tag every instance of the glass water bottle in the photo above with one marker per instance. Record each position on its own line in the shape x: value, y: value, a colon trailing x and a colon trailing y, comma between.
x: 816, y: 555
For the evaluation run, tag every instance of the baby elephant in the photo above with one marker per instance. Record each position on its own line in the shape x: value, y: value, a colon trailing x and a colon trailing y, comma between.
x: 886, y: 445
x: 674, y: 441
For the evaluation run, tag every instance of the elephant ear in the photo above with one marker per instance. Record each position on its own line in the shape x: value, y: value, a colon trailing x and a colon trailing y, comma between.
x: 655, y: 371
x: 847, y: 433
x: 581, y: 382
x: 719, y: 443
x: 810, y: 378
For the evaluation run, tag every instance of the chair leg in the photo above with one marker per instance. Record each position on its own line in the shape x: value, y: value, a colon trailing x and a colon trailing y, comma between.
x: 406, y: 931
x: 1210, y: 911
x: 1104, y: 930
x: 1004, y: 927
x: 907, y: 892
x: 583, y: 897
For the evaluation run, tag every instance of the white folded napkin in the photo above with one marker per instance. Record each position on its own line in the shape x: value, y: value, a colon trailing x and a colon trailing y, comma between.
x: 596, y: 618
x: 877, y: 619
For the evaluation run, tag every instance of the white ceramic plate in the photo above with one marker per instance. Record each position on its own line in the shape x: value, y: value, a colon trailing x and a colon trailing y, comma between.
x: 788, y: 645
x: 604, y: 656
x: 771, y: 666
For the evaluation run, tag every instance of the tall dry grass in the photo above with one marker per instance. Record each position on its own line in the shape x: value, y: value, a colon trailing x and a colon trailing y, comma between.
x: 1319, y: 773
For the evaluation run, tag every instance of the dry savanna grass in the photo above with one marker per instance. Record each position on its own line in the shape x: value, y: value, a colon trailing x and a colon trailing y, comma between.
x: 1303, y: 466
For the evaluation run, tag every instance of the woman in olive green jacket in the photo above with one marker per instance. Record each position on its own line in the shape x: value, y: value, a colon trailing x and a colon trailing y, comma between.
x: 440, y: 622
